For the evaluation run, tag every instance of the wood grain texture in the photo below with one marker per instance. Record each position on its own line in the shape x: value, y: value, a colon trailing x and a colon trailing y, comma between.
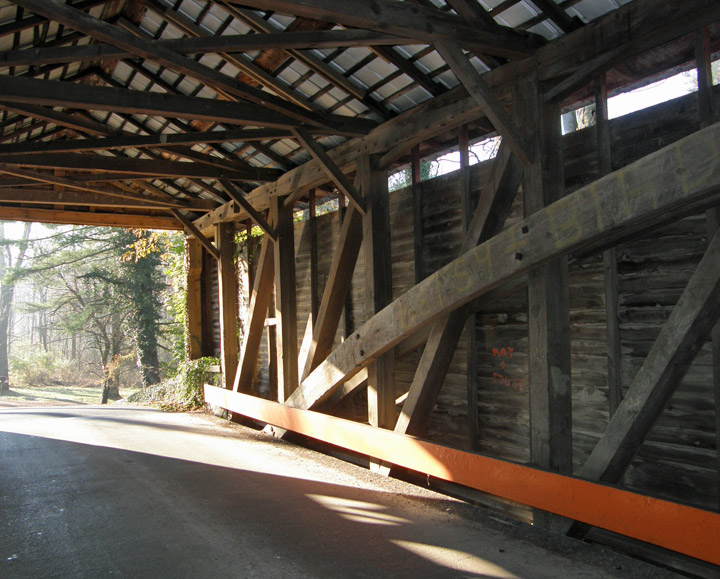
x: 608, y: 209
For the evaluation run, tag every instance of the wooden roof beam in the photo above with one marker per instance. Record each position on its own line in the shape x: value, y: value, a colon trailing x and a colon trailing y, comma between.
x: 304, y: 40
x: 82, y: 186
x: 57, y: 93
x: 158, y: 141
x: 155, y: 168
x: 408, y: 68
x: 98, y: 218
x: 472, y: 12
x: 36, y: 196
x: 331, y: 169
x: 403, y: 19
x: 227, y: 157
x: 33, y: 21
x: 241, y: 61
x: 481, y: 93
x: 239, y: 198
x: 116, y: 36
x: 562, y: 19
x: 262, y: 26
x: 190, y: 229
x: 66, y: 120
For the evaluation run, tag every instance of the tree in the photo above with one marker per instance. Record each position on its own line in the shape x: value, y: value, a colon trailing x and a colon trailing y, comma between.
x: 142, y: 279
x: 7, y: 291
x: 103, y: 287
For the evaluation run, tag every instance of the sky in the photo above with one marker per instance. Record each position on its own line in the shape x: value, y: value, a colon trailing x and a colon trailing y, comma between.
x: 618, y: 105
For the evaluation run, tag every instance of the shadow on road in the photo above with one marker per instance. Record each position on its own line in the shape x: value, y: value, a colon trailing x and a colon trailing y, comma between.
x: 86, y: 511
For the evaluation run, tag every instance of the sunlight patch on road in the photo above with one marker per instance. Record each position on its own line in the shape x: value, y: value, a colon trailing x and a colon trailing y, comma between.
x: 457, y: 560
x: 359, y: 511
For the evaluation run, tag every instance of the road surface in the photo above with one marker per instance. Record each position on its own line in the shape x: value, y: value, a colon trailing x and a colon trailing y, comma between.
x: 131, y: 492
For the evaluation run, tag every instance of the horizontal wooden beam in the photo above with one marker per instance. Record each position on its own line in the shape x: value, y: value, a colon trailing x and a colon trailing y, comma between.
x: 70, y: 197
x: 400, y: 19
x: 641, y: 23
x: 156, y: 168
x: 145, y: 141
x: 686, y: 530
x: 95, y: 218
x: 140, y: 46
x: 79, y: 185
x: 70, y: 121
x: 306, y: 40
x: 611, y: 208
x: 565, y: 22
x: 67, y: 94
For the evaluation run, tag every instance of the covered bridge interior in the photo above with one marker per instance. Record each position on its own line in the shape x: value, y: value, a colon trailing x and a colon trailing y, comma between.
x: 537, y: 325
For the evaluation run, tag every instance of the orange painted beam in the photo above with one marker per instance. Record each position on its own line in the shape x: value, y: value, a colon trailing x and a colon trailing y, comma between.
x: 687, y: 530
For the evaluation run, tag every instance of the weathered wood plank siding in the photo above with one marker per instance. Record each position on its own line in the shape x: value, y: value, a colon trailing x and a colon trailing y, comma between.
x: 678, y: 459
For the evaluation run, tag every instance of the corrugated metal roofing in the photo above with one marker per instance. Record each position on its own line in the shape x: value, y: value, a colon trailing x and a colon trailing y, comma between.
x: 370, y: 82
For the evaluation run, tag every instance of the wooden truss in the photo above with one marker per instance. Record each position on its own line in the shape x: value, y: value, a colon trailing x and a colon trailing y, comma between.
x: 104, y: 121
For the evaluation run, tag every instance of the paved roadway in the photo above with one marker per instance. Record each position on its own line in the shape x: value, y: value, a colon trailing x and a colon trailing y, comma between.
x: 127, y: 492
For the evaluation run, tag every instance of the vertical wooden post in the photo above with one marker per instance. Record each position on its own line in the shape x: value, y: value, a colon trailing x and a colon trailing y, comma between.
x: 471, y: 359
x: 193, y: 302
x: 548, y: 308
x: 314, y: 298
x: 703, y: 56
x: 417, y: 215
x: 614, y: 356
x: 260, y: 297
x: 378, y: 293
x: 228, y: 290
x: 209, y: 345
x: 706, y: 107
x: 285, y: 299
x: 346, y: 322
x: 250, y: 251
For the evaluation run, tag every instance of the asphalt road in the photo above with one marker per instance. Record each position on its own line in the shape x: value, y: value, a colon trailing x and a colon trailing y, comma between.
x: 122, y: 492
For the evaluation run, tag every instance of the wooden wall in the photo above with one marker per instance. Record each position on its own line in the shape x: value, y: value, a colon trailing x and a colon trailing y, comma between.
x: 678, y: 459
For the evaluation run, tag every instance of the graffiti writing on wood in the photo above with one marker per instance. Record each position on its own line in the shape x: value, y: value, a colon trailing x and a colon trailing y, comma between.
x: 504, y: 356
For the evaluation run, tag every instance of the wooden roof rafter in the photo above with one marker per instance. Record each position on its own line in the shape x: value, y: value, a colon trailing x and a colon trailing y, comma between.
x: 320, y: 67
x: 403, y: 19
x: 139, y: 47
x: 325, y: 79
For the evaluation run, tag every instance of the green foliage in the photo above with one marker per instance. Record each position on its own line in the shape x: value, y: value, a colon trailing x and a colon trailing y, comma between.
x: 104, y: 288
x: 182, y: 392
x: 403, y: 178
x: 174, y: 296
x: 190, y: 378
x: 32, y: 367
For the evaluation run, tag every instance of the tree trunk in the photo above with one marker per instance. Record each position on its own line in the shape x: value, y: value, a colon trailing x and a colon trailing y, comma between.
x: 111, y: 379
x: 6, y: 297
